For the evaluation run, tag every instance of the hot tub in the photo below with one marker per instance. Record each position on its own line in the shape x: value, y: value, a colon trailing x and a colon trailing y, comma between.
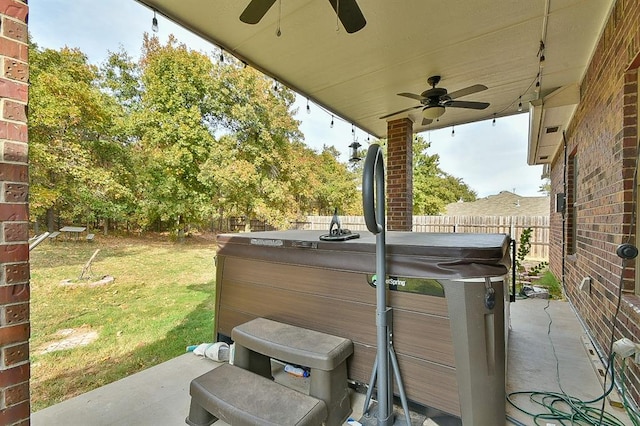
x: 448, y: 292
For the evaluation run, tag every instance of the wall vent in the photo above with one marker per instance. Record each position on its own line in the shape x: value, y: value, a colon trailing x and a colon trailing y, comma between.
x: 552, y: 129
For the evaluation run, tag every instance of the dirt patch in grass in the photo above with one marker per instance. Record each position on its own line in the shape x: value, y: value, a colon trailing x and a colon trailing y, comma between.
x: 69, y: 338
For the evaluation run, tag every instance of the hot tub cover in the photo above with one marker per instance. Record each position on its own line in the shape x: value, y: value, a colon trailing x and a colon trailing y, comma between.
x: 409, y: 254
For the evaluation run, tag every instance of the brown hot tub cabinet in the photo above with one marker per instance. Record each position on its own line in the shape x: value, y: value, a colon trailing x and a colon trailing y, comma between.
x: 450, y: 342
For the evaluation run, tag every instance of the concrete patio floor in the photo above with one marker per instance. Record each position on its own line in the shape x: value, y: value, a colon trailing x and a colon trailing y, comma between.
x: 160, y: 395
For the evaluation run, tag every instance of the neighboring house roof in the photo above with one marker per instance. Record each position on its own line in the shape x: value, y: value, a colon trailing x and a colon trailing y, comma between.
x: 503, y: 204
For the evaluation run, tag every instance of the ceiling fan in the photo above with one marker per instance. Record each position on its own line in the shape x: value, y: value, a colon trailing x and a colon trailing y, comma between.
x: 434, y: 101
x: 347, y: 10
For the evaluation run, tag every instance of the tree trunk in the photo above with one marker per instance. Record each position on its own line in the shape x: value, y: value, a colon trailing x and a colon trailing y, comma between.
x: 51, y: 223
x: 180, y: 230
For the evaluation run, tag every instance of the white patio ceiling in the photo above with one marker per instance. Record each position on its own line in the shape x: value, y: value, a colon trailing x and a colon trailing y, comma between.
x: 357, y: 76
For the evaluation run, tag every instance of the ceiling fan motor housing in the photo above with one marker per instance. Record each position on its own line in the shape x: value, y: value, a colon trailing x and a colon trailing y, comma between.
x: 434, y: 94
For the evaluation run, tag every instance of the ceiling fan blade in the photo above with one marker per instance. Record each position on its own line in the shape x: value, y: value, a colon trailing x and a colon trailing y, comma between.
x: 349, y: 14
x: 412, y: 96
x: 466, y: 104
x: 401, y: 111
x: 255, y: 10
x: 467, y: 91
x: 426, y: 121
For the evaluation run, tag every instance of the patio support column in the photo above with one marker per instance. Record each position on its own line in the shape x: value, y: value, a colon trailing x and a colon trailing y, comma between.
x: 14, y: 207
x: 400, y: 175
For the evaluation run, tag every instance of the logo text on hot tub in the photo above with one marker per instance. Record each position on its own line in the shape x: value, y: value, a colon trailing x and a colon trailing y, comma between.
x: 426, y: 286
x: 264, y: 242
x: 392, y: 281
x: 396, y: 282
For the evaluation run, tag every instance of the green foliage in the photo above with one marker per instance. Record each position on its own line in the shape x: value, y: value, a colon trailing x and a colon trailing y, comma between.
x: 545, y: 187
x: 433, y: 188
x: 252, y: 174
x: 173, y: 138
x: 524, y: 247
x: 176, y: 140
x: 169, y: 141
x: 77, y: 166
x: 537, y: 269
x: 549, y: 281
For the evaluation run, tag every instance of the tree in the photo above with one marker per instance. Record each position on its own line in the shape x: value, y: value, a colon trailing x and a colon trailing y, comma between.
x: 545, y: 187
x: 252, y: 174
x: 171, y: 140
x: 433, y: 188
x: 120, y: 77
x: 73, y: 153
x: 172, y: 131
x: 337, y: 187
x: 305, y: 179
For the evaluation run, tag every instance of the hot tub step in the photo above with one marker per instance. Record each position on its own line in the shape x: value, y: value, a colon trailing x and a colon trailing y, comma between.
x: 240, y: 397
x: 259, y: 340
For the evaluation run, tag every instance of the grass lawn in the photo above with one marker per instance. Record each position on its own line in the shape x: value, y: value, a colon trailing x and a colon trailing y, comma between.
x: 161, y: 301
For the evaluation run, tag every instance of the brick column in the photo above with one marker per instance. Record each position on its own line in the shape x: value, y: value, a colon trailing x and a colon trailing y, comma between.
x: 14, y: 248
x: 400, y: 175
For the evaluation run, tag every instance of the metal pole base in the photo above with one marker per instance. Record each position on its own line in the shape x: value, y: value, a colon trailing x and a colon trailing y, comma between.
x: 403, y: 397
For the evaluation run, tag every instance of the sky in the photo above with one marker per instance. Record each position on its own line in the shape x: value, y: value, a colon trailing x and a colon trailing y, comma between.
x: 488, y: 158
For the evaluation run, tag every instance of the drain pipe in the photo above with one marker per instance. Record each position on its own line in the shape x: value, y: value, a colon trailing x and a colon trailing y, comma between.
x: 512, y: 298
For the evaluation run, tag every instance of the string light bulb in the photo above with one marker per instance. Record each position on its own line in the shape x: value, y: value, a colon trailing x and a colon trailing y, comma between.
x: 275, y: 85
x: 154, y: 23
x: 221, y: 55
x: 520, y: 104
x: 493, y: 123
x: 353, y: 130
x: 541, y: 54
x: 308, y: 107
x: 537, y: 88
x: 453, y: 132
x: 331, y: 125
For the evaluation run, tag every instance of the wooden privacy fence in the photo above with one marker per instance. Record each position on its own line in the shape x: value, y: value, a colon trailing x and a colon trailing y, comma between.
x: 512, y: 225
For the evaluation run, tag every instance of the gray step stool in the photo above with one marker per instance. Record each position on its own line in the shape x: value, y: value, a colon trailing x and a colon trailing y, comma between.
x: 240, y: 397
x: 259, y: 340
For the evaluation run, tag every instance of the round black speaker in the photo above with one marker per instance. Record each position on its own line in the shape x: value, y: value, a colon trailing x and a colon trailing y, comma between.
x: 627, y: 251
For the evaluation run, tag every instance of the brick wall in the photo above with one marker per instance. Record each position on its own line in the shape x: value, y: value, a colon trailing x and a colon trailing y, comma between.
x: 603, y: 138
x: 400, y: 175
x: 14, y: 249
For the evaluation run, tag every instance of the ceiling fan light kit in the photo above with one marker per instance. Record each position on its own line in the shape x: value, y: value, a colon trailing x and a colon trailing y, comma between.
x: 431, y: 113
